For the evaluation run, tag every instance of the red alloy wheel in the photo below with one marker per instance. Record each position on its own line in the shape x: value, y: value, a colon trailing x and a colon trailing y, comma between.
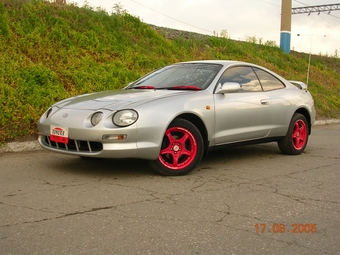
x: 299, y: 134
x: 295, y: 141
x: 179, y: 148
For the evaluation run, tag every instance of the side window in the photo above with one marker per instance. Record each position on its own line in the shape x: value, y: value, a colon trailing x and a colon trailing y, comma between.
x: 243, y: 75
x: 268, y: 81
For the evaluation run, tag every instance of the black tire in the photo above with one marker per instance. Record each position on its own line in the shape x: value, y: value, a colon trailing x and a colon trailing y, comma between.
x: 182, y: 149
x: 295, y: 141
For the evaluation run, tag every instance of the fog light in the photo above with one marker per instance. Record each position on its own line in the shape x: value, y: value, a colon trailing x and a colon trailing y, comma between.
x: 96, y: 118
x: 114, y: 137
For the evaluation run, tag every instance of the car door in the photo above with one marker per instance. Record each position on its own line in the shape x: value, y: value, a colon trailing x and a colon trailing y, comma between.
x: 245, y: 114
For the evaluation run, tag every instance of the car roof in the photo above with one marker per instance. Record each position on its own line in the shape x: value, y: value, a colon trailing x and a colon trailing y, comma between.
x: 221, y: 62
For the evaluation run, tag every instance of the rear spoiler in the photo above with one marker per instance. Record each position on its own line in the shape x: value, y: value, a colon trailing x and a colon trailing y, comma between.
x: 299, y: 84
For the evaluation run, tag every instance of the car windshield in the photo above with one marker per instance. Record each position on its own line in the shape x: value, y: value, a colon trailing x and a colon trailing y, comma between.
x: 188, y: 76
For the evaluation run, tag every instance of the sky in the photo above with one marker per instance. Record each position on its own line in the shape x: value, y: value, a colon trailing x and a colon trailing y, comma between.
x: 241, y: 19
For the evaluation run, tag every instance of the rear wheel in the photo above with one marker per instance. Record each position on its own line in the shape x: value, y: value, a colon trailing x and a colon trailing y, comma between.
x: 296, y: 138
x: 182, y: 149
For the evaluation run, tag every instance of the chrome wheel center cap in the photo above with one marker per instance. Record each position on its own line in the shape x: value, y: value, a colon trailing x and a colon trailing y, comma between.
x: 176, y: 148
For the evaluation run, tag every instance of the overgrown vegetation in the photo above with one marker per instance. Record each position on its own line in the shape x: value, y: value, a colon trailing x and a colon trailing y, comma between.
x: 50, y: 51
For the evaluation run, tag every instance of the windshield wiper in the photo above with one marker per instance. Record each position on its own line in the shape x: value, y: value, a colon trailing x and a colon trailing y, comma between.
x: 185, y: 87
x: 144, y: 87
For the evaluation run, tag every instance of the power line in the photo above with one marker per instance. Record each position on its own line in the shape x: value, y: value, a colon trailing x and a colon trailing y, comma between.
x: 300, y: 3
x: 268, y: 2
x: 334, y: 16
x: 171, y: 17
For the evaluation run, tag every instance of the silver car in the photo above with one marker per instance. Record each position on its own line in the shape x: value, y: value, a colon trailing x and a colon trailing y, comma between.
x: 172, y: 116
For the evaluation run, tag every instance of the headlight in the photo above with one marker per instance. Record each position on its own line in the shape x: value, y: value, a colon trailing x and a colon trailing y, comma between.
x: 125, y: 118
x: 96, y: 118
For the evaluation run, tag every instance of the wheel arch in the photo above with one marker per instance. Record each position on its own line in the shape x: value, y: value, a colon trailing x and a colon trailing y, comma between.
x: 197, y: 121
x: 306, y: 113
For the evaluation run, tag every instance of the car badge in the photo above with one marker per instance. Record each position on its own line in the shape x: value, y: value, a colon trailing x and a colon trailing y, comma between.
x: 65, y: 115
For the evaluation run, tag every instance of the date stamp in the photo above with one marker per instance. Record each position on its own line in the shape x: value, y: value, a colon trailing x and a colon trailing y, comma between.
x: 283, y: 228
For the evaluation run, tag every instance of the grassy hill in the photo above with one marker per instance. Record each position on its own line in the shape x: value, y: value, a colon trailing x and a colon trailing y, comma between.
x: 49, y: 52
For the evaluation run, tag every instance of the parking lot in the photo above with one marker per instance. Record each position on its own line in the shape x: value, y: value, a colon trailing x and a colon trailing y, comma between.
x: 244, y: 200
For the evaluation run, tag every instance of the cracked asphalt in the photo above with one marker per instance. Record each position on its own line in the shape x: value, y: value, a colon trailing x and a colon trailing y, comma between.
x: 244, y: 200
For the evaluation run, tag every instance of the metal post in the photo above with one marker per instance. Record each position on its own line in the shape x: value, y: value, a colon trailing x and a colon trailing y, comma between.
x: 310, y: 56
x: 286, y: 24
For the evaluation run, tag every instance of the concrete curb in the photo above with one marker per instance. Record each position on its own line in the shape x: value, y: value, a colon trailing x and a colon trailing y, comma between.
x: 20, y: 146
x: 324, y: 122
x: 34, y: 145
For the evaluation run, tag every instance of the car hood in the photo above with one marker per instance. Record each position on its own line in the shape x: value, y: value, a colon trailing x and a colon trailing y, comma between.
x: 115, y: 100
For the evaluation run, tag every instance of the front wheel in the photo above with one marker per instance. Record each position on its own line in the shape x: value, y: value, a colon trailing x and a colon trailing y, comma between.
x: 295, y: 141
x: 181, y: 150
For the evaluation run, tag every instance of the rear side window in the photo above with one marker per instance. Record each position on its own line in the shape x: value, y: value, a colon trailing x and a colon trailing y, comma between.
x: 243, y: 75
x: 268, y: 81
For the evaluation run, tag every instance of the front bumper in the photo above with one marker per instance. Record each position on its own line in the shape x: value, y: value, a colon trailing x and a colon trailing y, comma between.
x: 89, y: 148
x: 141, y: 141
x: 90, y: 143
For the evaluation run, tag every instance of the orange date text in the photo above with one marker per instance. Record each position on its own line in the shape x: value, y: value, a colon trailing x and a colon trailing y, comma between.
x: 283, y: 228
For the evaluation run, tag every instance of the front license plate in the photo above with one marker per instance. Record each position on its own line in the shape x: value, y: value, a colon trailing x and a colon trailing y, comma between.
x: 59, y: 134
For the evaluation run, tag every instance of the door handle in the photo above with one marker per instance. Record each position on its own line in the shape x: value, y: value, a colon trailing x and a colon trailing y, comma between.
x: 265, y: 102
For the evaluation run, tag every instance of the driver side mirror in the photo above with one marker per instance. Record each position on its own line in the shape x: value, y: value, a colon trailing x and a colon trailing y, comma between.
x: 228, y: 87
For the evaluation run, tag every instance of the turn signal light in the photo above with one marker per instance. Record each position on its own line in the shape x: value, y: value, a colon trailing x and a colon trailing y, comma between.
x: 114, y: 137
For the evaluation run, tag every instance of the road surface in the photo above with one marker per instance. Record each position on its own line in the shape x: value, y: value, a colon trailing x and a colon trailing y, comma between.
x: 244, y: 200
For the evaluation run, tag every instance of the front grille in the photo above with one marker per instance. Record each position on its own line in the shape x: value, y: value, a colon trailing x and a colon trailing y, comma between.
x: 74, y: 145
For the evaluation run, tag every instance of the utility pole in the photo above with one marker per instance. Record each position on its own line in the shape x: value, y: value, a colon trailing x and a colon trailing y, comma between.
x: 286, y: 25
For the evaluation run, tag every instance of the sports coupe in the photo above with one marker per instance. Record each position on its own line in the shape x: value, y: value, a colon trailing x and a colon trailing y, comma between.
x: 174, y: 115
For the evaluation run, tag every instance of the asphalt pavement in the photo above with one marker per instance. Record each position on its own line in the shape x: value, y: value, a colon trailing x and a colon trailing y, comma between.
x: 243, y: 200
